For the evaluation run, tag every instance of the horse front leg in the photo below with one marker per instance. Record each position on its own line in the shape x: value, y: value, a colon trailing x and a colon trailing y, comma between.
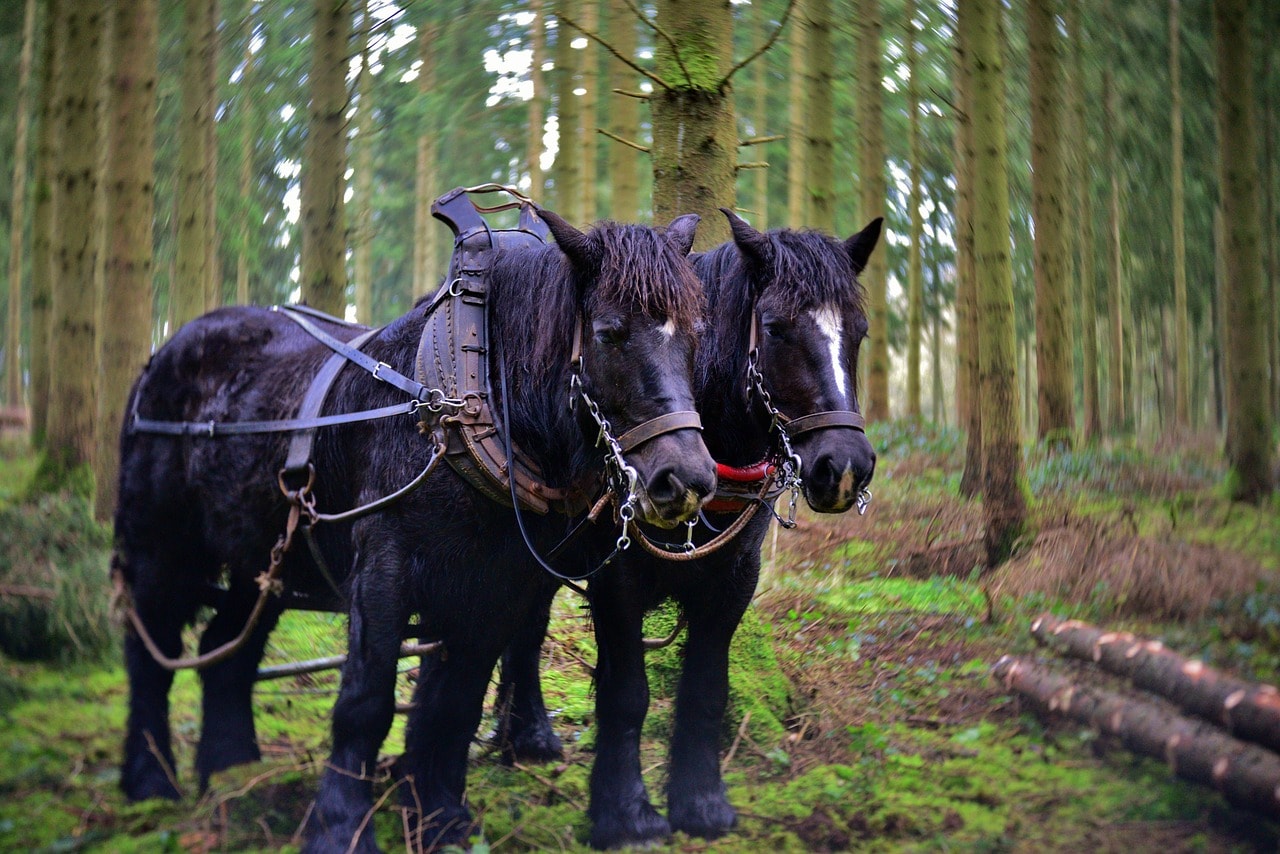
x: 227, y: 735
x: 148, y: 769
x: 696, y: 800
x: 363, y: 712
x: 524, y: 728
x: 620, y: 811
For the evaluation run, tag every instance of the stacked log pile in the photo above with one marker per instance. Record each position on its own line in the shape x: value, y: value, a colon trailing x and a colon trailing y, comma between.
x: 1230, y: 748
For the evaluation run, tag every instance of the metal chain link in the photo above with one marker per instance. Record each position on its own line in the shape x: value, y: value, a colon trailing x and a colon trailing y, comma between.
x: 623, y: 478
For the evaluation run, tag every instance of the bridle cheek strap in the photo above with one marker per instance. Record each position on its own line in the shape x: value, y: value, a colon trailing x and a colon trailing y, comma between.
x: 823, y: 420
x: 685, y: 419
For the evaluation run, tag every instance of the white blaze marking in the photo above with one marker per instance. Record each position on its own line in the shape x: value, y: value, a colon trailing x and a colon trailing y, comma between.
x: 668, y: 329
x: 831, y: 325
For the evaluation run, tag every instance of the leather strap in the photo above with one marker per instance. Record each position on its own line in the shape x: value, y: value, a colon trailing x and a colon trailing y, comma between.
x: 685, y: 419
x: 823, y: 420
x: 213, y: 429
x: 379, y: 370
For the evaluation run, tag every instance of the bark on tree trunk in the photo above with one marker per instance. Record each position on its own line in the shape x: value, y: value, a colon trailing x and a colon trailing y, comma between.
x: 797, y: 119
x: 1248, y: 710
x: 538, y: 103
x: 1248, y: 410
x: 589, y: 79
x: 819, y: 129
x: 193, y: 282
x: 44, y: 216
x: 566, y: 171
x: 247, y: 134
x: 1003, y: 486
x: 1117, y: 415
x: 1086, y: 295
x: 72, y: 403
x: 362, y: 197
x: 872, y: 199
x: 426, y: 255
x: 624, y: 115
x: 1246, y: 775
x: 915, y: 273
x: 760, y: 119
x: 324, y: 238
x: 1182, y: 329
x: 1048, y: 202
x: 695, y: 136
x: 125, y: 305
x: 13, y: 334
x: 968, y: 385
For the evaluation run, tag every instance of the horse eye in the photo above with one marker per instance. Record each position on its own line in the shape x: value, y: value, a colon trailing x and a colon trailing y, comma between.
x: 776, y: 330
x: 610, y: 335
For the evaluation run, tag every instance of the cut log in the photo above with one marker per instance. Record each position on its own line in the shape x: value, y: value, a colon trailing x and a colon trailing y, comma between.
x: 1246, y: 775
x: 1247, y: 710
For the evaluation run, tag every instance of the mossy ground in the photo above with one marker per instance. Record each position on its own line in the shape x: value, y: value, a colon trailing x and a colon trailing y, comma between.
x: 874, y: 724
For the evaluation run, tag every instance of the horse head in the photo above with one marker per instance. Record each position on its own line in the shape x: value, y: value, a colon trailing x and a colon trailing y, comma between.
x: 640, y: 308
x: 810, y: 320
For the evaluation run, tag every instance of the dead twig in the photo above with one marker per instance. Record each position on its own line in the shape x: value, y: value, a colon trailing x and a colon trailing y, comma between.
x: 637, y: 146
x: 737, y: 739
x: 574, y: 802
x: 786, y: 15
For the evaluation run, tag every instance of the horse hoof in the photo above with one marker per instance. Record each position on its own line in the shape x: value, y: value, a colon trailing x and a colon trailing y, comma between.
x: 645, y: 827
x: 534, y: 747
x: 706, y: 817
x: 145, y: 785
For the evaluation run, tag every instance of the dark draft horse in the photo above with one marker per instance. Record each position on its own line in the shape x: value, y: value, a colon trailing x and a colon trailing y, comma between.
x: 194, y: 510
x: 803, y: 288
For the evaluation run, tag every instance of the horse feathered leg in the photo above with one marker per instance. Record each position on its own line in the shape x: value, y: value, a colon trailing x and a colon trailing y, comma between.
x: 524, y: 729
x: 620, y: 810
x: 227, y: 735
x: 364, y: 710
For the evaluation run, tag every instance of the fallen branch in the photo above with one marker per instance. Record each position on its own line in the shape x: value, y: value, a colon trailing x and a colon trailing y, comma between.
x: 26, y: 591
x: 1246, y: 775
x: 332, y: 662
x: 1248, y: 710
x: 637, y: 146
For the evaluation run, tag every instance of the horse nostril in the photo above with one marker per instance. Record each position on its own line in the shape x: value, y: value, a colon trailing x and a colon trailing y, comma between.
x: 665, y: 486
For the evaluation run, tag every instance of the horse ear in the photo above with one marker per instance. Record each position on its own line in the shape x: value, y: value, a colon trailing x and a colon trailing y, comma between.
x: 681, y: 231
x: 576, y: 246
x: 753, y: 245
x: 860, y: 245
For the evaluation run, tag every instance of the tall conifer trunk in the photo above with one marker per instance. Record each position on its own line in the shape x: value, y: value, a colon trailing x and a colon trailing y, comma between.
x: 797, y: 119
x: 324, y: 239
x: 872, y: 198
x: 624, y: 116
x: 695, y: 137
x: 760, y: 118
x: 44, y: 230
x: 566, y: 171
x: 1086, y: 295
x: 1181, y: 323
x: 193, y: 279
x: 915, y: 273
x: 820, y: 127
x: 1248, y: 413
x: 968, y: 377
x: 125, y: 304
x: 13, y: 326
x: 248, y: 130
x: 538, y: 103
x: 362, y: 196
x: 1048, y: 202
x: 1004, y: 499
x: 588, y: 140
x: 72, y: 402
x: 1117, y: 413
x: 426, y: 255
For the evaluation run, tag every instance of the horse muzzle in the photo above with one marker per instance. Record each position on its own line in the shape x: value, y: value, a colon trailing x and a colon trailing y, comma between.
x: 677, y: 476
x: 837, y: 470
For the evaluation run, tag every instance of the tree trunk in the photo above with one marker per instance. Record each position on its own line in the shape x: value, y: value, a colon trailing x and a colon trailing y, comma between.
x: 1247, y: 776
x: 1003, y: 486
x: 1181, y: 323
x: 324, y: 244
x: 760, y: 120
x: 968, y: 382
x: 362, y: 197
x: 566, y: 171
x: 17, y: 222
x: 213, y: 296
x: 820, y: 127
x: 695, y: 136
x: 125, y: 314
x: 624, y: 116
x: 1248, y: 710
x: 538, y: 103
x: 425, y: 250
x: 1048, y: 202
x: 872, y: 199
x: 70, y: 438
x: 193, y: 282
x: 1117, y: 414
x: 1248, y: 410
x: 248, y: 129
x: 1086, y: 295
x: 797, y: 121
x: 915, y: 273
x: 44, y: 231
x: 588, y: 140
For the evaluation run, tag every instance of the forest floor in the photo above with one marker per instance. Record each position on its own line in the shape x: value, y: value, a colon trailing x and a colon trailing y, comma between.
x: 864, y: 715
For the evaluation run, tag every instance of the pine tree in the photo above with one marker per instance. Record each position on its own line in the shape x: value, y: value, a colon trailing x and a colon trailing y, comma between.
x: 1248, y: 413
x: 324, y: 267
x: 915, y: 273
x: 362, y: 182
x: 873, y: 194
x: 1181, y: 322
x: 624, y: 116
x: 819, y: 129
x: 13, y: 326
x: 797, y: 121
x: 125, y: 305
x: 968, y: 376
x: 1003, y: 487
x: 193, y: 283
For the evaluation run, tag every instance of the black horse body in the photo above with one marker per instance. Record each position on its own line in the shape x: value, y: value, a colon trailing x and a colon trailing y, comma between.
x: 788, y: 279
x: 194, y: 510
